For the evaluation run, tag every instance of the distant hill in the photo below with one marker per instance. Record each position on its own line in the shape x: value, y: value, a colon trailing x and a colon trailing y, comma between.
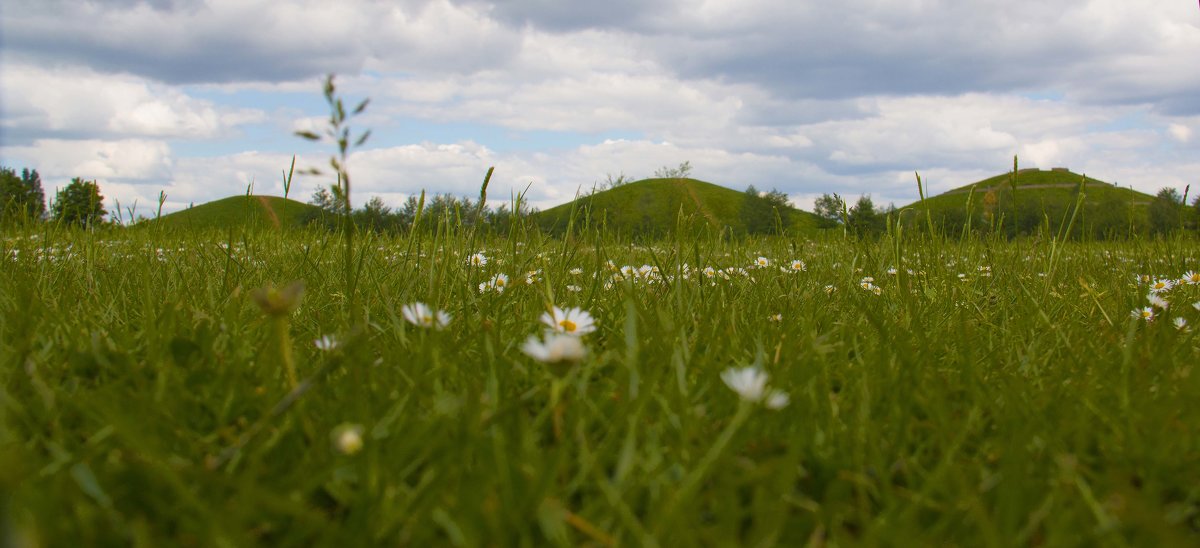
x: 264, y: 211
x: 1039, y: 194
x: 651, y: 206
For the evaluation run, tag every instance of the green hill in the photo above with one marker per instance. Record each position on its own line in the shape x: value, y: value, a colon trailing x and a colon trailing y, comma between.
x: 265, y: 211
x: 651, y: 207
x: 1040, y: 196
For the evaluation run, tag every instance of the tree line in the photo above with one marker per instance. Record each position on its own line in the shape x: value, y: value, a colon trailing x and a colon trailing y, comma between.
x: 424, y: 214
x: 23, y: 200
x: 1114, y: 214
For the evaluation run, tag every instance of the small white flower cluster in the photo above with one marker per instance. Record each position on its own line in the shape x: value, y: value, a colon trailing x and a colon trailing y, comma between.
x: 750, y: 384
x: 1158, y: 287
x: 420, y: 315
x: 562, y: 341
x: 497, y: 284
x: 868, y: 284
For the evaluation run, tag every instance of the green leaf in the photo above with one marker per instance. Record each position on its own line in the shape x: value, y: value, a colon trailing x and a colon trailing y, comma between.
x: 308, y: 135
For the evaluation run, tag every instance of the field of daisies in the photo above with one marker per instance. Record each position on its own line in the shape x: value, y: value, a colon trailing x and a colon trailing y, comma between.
x: 225, y: 389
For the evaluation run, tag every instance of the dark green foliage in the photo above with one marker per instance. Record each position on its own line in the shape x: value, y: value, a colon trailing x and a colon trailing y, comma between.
x: 80, y: 204
x: 829, y: 209
x: 863, y: 219
x: 758, y: 212
x: 21, y: 197
x: 1166, y: 211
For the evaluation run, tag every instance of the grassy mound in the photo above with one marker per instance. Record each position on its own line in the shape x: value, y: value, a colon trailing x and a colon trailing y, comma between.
x: 652, y: 207
x: 264, y: 211
x: 1039, y: 199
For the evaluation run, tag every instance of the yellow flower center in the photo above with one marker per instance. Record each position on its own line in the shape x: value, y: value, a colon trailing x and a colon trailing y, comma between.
x: 568, y: 326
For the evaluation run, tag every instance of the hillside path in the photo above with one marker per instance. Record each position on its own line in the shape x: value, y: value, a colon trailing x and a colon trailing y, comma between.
x: 1003, y: 186
x: 712, y: 219
x: 262, y: 201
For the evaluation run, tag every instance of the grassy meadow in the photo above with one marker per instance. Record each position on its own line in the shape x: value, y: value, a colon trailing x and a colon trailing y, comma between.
x: 199, y: 387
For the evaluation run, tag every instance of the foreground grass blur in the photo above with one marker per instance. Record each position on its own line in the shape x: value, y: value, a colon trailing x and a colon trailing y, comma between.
x: 178, y: 388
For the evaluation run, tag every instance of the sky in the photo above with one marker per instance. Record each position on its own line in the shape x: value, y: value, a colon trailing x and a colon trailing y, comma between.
x: 200, y: 99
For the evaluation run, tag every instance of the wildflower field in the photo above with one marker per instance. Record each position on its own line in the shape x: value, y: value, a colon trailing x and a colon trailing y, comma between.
x: 269, y: 387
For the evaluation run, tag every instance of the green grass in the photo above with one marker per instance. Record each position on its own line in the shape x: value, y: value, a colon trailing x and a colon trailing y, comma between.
x: 993, y: 393
x: 1035, y: 185
x: 239, y: 211
x: 653, y: 206
x: 1041, y: 202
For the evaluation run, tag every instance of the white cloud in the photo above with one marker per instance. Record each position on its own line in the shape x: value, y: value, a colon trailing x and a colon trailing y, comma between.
x: 77, y: 101
x: 804, y: 97
x: 1180, y: 132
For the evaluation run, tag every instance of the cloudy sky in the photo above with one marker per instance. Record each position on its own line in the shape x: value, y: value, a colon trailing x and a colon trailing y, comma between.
x: 200, y: 98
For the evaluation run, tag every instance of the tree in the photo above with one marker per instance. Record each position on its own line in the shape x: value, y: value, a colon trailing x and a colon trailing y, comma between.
x: 755, y: 213
x: 828, y: 209
x: 35, y: 197
x: 80, y: 203
x: 374, y: 215
x: 681, y: 172
x: 21, y: 197
x: 611, y: 182
x: 329, y: 202
x: 1165, y: 211
x: 863, y: 219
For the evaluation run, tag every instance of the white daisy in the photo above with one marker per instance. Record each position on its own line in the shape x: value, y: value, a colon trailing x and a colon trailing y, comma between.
x: 478, y: 259
x: 347, y: 438
x: 555, y: 349
x: 572, y: 321
x: 750, y: 383
x: 420, y: 315
x: 1161, y: 285
x: 327, y: 343
x: 1144, y: 313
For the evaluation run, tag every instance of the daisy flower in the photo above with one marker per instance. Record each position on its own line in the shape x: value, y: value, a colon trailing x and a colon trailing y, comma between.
x: 762, y: 262
x: 1144, y: 313
x: 326, y: 343
x: 478, y: 259
x: 1157, y: 301
x: 555, y: 349
x: 1161, y: 286
x: 420, y: 315
x: 1181, y: 324
x: 347, y: 438
x: 1190, y: 277
x: 799, y: 266
x: 498, y: 283
x: 750, y: 384
x: 572, y: 321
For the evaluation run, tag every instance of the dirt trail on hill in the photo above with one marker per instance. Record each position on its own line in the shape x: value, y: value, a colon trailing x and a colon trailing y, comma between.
x: 712, y: 219
x: 1003, y: 186
x: 262, y: 200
